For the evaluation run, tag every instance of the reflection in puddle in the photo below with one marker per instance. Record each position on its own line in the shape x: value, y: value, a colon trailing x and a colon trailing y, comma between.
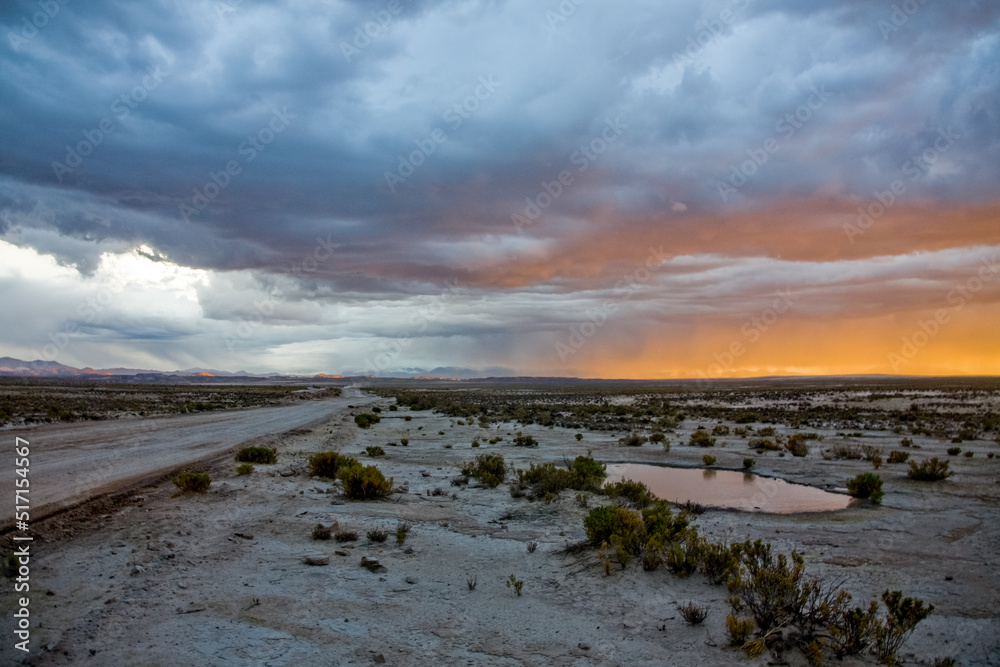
x: 729, y: 489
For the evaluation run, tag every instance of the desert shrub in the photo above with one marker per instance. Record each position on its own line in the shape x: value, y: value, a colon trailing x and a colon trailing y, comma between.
x: 871, y: 452
x: 515, y: 584
x: 636, y: 493
x: 797, y: 445
x: 489, y: 469
x: 588, y: 473
x: 749, y: 463
x: 579, y: 436
x: 364, y: 483
x: 244, y: 469
x: 374, y: 450
x: 896, y: 456
x: 766, y: 432
x: 866, y: 485
x: 525, y: 441
x: 616, y: 525
x: 708, y: 460
x: 906, y: 442
x: 404, y: 442
x: 969, y: 454
x: 192, y: 482
x: 739, y: 630
x: 321, y: 532
x: 701, y: 438
x: 692, y: 613
x: 764, y: 584
x: 393, y: 408
x: 327, y: 464
x: 632, y: 440
x: 762, y: 444
x: 683, y: 555
x: 402, y: 530
x: 657, y: 437
x: 583, y: 474
x: 346, y: 536
x: 531, y: 546
x: 901, y: 618
x: 366, y: 419
x: 261, y: 455
x: 843, y: 451
x: 719, y: 561
x: 660, y: 521
x: 720, y: 429
x: 408, y: 418
x: 929, y: 470
x: 377, y: 535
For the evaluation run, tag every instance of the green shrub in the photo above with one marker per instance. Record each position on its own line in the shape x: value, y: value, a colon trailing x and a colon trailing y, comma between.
x: 866, y: 485
x: 192, y: 482
x: 901, y: 618
x: 632, y: 440
x: 244, y: 469
x: 929, y: 470
x: 525, y: 441
x: 719, y: 561
x: 701, y: 438
x: 897, y: 456
x: 489, y: 469
x: 584, y: 474
x: 374, y: 450
x: 261, y: 455
x: 364, y: 483
x: 954, y: 451
x: 739, y: 630
x: 616, y: 525
x: 684, y: 553
x: 720, y: 429
x: 708, y: 460
x: 579, y: 436
x: 761, y: 444
x: 637, y: 493
x: 969, y: 454
x: 402, y: 530
x: 661, y: 522
x: 366, y: 419
x: 327, y: 464
x: 404, y: 442
x: 657, y: 437
x: 321, y: 532
x: 748, y: 463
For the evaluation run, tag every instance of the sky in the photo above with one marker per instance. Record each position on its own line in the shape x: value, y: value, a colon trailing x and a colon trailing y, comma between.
x: 651, y: 189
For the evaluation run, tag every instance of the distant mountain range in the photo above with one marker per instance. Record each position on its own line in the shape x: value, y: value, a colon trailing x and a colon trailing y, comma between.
x: 19, y: 368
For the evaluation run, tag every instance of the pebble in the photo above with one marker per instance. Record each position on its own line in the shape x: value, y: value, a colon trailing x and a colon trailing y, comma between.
x: 317, y: 560
x: 411, y: 580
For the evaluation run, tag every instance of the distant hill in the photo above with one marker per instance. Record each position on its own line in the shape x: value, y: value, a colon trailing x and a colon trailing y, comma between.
x: 12, y: 367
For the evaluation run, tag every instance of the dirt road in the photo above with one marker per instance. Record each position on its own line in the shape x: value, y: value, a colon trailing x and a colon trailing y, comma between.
x: 71, y: 462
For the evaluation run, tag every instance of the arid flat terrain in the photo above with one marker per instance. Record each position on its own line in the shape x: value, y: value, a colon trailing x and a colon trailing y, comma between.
x: 155, y: 578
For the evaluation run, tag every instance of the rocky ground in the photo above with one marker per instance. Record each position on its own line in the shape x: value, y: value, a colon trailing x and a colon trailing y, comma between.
x: 154, y: 578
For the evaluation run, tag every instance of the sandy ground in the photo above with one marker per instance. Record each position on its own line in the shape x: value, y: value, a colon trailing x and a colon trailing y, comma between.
x: 221, y: 579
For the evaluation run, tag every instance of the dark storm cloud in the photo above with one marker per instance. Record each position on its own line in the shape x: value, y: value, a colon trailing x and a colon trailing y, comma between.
x: 371, y: 151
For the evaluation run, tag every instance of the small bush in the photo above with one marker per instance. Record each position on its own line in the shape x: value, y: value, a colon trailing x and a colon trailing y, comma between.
x: 489, y: 469
x: 192, y: 482
x: 532, y: 546
x: 261, y: 455
x: 701, y: 438
x: 636, y: 493
x: 632, y: 440
x: 408, y: 418
x: 364, y: 483
x: 897, y: 456
x: 657, y: 437
x: 244, y: 469
x: 954, y: 451
x: 969, y: 454
x: 525, y: 441
x: 321, y: 532
x: 708, y: 460
x: 366, y: 419
x: 402, y: 530
x: 327, y: 464
x: 579, y: 436
x: 905, y: 442
x: 866, y: 485
x: 929, y: 470
x: 720, y: 429
x: 797, y: 445
x: 516, y: 584
x: 843, y: 451
x: 761, y: 444
x: 616, y: 525
x: 374, y: 450
x: 692, y: 613
x: 748, y: 463
x: 739, y: 630
x: 377, y: 535
x: 346, y: 536
x: 404, y: 442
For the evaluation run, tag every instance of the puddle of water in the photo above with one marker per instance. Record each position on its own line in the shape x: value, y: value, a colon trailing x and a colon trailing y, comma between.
x: 729, y: 489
